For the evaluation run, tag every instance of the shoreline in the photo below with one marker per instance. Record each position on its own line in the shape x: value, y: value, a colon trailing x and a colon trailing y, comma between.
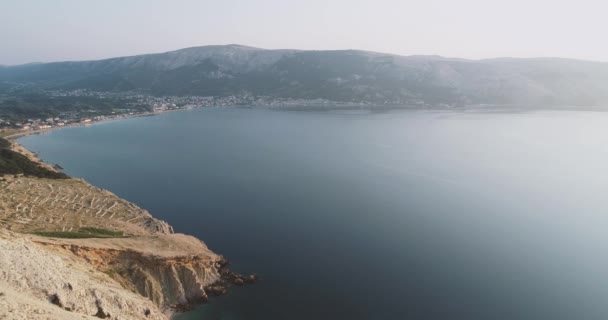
x: 473, y: 108
x: 208, y: 272
x: 23, y: 133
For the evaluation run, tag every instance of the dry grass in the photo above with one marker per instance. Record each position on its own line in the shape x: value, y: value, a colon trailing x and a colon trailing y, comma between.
x: 47, y: 205
x: 8, y: 132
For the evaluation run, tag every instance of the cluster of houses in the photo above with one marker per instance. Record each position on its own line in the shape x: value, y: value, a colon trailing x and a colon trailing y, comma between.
x: 64, y: 119
x: 41, y: 124
x: 154, y: 104
x: 159, y: 107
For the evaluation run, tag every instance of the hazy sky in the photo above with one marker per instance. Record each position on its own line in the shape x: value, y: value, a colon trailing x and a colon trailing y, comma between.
x: 52, y: 30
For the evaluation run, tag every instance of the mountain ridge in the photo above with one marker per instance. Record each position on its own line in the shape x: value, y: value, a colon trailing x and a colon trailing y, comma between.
x: 335, y: 75
x: 235, y: 45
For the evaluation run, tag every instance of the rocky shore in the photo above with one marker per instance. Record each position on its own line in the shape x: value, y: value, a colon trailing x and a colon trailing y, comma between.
x: 71, y: 250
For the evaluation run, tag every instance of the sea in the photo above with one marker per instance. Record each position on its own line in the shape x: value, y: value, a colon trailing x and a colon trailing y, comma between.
x: 404, y: 214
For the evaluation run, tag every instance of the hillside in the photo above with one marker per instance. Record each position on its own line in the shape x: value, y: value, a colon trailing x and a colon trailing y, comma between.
x: 70, y: 250
x: 17, y: 161
x: 350, y: 76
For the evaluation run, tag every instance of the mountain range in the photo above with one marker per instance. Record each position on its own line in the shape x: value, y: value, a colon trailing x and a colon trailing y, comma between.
x: 343, y: 75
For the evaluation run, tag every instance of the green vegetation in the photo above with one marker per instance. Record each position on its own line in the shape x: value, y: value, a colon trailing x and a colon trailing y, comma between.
x: 101, y: 233
x: 82, y: 233
x: 110, y: 272
x: 21, y: 106
x: 4, y: 144
x: 12, y: 162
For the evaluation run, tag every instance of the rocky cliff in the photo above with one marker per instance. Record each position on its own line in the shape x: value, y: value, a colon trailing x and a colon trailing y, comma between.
x: 37, y: 283
x: 71, y: 250
x: 171, y: 270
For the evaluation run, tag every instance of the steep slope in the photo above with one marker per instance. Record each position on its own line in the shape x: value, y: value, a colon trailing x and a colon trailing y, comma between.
x: 67, y: 246
x: 40, y: 284
x: 65, y: 205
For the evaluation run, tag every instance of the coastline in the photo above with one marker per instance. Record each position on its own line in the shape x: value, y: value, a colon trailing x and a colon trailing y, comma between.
x: 22, y: 133
x: 150, y: 260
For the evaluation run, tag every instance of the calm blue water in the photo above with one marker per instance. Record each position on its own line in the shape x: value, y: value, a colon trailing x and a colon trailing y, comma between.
x: 399, y: 215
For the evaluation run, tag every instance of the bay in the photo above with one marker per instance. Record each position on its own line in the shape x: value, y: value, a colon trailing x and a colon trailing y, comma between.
x: 392, y: 215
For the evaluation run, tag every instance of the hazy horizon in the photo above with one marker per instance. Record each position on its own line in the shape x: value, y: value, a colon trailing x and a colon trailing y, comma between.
x: 355, y: 49
x: 67, y: 30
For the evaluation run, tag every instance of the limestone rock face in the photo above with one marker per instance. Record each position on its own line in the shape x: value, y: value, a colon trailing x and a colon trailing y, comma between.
x: 147, y: 272
x: 171, y: 270
x: 40, y: 284
x: 137, y: 268
x: 174, y: 283
x: 154, y: 225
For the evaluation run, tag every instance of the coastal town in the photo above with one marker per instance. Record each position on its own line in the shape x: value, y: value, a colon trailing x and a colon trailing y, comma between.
x: 63, y: 120
x: 127, y: 105
x: 58, y: 122
x: 136, y: 104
